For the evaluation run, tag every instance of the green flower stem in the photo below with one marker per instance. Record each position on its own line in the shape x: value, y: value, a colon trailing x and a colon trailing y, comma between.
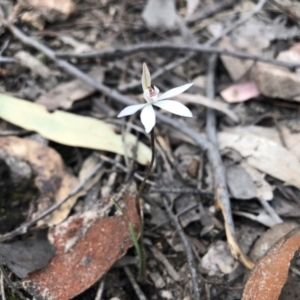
x: 142, y: 185
x: 141, y: 251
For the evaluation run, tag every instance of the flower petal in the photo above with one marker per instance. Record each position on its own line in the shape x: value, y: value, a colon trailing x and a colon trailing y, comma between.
x: 174, y: 107
x: 130, y: 110
x: 156, y: 89
x: 148, y: 117
x: 174, y: 92
x: 146, y: 78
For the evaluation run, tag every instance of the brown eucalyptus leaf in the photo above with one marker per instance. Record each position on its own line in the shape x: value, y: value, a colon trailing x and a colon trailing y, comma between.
x: 87, y: 246
x: 270, y: 274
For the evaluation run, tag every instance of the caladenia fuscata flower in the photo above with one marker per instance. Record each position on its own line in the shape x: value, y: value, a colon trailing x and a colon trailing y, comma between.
x: 151, y: 95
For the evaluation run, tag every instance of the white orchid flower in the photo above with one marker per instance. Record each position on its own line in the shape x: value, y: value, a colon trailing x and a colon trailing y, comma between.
x: 152, y: 98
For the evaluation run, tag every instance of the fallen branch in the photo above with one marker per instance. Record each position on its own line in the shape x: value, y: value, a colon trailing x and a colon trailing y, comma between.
x: 129, y: 50
x: 221, y: 192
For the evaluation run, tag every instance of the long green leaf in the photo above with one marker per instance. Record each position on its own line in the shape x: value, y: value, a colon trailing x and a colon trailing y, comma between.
x: 69, y: 129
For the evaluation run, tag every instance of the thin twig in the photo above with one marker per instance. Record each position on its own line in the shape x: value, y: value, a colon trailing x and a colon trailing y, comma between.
x: 11, y: 284
x: 280, y: 133
x: 4, y: 46
x: 100, y: 289
x: 271, y: 211
x: 188, y: 250
x: 186, y: 210
x: 221, y: 192
x: 123, y: 168
x: 129, y: 50
x: 210, y: 93
x: 7, y: 60
x: 210, y: 10
x: 2, y: 290
x: 24, y: 228
x: 169, y: 268
x: 212, y: 136
x: 134, y: 284
x: 179, y: 190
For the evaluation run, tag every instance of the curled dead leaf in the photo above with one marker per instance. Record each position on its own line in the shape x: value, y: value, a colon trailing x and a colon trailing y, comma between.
x: 52, y: 180
x: 65, y: 94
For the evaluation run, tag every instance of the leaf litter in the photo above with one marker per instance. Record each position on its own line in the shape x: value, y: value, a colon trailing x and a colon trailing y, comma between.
x: 261, y: 160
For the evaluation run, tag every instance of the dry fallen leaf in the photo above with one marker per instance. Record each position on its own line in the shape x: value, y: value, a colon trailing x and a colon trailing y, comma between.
x: 25, y: 256
x: 218, y: 259
x: 51, y: 10
x: 70, y: 129
x: 240, y: 92
x: 87, y: 167
x: 264, y: 155
x: 277, y: 82
x: 34, y: 64
x: 52, y: 180
x: 156, y: 18
x: 269, y: 238
x: 86, y: 248
x: 290, y: 133
x: 181, y: 203
x: 191, y: 6
x: 264, y: 190
x: 270, y: 274
x: 240, y: 183
x: 65, y: 94
x: 236, y: 68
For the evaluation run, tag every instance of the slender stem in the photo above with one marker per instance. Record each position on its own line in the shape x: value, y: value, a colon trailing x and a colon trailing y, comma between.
x: 142, y: 258
x: 142, y: 185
